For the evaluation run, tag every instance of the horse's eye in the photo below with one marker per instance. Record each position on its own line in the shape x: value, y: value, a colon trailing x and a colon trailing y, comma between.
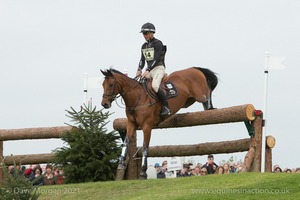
x: 111, y: 85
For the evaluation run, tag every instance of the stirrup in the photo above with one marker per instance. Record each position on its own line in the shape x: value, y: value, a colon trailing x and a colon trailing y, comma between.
x: 165, y: 111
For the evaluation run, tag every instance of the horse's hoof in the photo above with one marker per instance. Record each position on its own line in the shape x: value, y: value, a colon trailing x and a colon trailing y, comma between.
x: 121, y: 166
x: 143, y: 176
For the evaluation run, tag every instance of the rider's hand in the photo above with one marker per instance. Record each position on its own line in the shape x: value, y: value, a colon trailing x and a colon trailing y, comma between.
x: 138, y: 73
x: 146, y: 74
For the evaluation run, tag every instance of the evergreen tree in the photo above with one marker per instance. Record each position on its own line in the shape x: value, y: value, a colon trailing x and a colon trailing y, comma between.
x: 92, y: 152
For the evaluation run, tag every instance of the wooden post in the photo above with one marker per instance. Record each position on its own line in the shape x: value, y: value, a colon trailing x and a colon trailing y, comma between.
x: 131, y: 170
x: 1, y: 159
x: 256, y: 143
x: 248, y: 160
x: 270, y: 143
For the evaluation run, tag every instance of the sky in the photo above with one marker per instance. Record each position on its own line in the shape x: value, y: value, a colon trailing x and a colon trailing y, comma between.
x: 47, y: 46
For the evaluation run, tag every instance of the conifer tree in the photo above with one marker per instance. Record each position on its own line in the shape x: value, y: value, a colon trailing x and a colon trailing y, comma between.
x: 92, y: 151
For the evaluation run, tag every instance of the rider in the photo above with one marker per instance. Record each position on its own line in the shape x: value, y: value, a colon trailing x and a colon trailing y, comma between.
x: 153, y: 52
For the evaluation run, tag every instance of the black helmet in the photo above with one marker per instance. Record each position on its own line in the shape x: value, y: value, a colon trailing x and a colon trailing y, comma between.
x: 148, y: 27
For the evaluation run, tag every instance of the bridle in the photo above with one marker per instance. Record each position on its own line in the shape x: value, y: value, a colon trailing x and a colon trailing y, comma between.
x: 112, y: 95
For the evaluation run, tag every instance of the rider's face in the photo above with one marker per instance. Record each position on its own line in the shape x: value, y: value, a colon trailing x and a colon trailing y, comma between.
x: 148, y: 35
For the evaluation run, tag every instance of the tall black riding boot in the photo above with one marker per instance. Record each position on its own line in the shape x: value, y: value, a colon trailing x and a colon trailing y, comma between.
x: 163, y: 99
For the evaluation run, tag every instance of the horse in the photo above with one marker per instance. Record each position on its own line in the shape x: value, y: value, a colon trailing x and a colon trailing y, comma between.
x: 143, y: 110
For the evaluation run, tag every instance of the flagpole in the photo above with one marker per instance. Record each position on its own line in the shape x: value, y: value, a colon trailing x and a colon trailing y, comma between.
x: 263, y: 148
x: 85, y: 88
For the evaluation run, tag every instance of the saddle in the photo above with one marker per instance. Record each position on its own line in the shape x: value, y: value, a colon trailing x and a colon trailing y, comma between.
x: 166, y: 85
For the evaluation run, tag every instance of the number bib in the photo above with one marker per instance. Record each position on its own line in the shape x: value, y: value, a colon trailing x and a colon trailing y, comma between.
x: 148, y: 53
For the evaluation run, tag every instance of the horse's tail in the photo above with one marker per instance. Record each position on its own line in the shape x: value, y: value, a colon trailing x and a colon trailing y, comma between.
x: 211, y: 77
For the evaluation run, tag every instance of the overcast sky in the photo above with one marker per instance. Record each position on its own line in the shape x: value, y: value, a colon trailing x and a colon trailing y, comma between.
x: 47, y: 46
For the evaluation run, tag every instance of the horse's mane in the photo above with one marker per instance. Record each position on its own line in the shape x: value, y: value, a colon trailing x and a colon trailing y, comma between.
x: 116, y: 71
x: 111, y: 70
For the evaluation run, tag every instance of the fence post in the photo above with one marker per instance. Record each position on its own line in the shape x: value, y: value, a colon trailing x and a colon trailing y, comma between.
x: 1, y: 160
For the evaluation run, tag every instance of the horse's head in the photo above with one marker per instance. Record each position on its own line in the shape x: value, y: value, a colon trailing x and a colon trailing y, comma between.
x: 110, y: 88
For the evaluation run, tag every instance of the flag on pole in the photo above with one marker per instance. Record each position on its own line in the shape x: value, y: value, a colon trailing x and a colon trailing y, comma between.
x: 276, y: 62
x: 94, y: 82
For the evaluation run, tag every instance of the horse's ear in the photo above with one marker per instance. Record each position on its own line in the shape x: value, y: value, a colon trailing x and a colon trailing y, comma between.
x: 103, y: 72
x: 109, y: 73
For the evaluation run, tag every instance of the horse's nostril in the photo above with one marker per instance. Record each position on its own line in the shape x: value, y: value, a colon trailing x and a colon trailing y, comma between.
x: 105, y: 105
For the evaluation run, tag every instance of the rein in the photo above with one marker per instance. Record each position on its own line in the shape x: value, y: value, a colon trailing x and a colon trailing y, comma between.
x: 114, y: 97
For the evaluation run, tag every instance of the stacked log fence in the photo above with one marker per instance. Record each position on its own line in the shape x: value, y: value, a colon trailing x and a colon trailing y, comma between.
x: 247, y: 114
x: 244, y: 113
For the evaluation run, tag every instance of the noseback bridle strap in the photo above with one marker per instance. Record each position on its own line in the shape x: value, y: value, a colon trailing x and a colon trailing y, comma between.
x: 112, y: 93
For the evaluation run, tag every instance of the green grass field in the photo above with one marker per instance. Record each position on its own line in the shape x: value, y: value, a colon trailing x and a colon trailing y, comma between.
x: 232, y: 186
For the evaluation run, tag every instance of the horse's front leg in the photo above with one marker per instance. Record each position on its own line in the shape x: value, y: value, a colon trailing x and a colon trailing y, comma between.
x: 147, y: 135
x: 131, y: 129
x: 122, y: 158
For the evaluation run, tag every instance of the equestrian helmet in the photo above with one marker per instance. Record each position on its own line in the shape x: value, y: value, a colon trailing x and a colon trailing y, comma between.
x: 148, y: 27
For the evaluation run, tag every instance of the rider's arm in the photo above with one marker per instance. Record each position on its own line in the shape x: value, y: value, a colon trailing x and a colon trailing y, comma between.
x: 158, y: 47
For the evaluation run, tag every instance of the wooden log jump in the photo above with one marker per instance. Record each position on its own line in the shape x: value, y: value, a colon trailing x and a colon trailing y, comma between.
x: 30, y: 133
x: 29, y: 159
x: 223, y: 115
x: 242, y: 113
x: 34, y: 133
x: 198, y: 149
x: 216, y: 116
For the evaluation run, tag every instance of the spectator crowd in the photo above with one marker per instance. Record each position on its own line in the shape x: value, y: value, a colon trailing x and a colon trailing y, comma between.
x: 210, y: 167
x: 39, y: 175
x: 49, y: 175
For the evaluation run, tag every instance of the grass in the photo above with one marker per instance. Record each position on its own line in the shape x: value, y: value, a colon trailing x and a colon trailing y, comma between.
x: 231, y: 186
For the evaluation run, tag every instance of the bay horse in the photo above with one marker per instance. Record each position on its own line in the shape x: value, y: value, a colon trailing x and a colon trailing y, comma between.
x: 143, y: 110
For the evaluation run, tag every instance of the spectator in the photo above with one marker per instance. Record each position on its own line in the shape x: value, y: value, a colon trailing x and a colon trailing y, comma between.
x: 164, y: 165
x: 43, y: 169
x: 232, y: 168
x: 16, y: 170
x: 199, y: 165
x: 184, y: 172
x: 49, y: 178
x: 28, y: 171
x: 196, y: 171
x: 59, y: 177
x: 226, y: 168
x: 210, y: 166
x: 36, y: 177
x: 11, y: 169
x: 203, y: 171
x: 288, y: 171
x: 277, y: 170
x: 274, y: 167
x: 220, y: 170
x: 160, y: 171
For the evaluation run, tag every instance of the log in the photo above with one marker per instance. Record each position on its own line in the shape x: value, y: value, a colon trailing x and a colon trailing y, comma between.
x: 29, y: 159
x: 216, y: 116
x: 270, y: 141
x: 198, y: 149
x: 34, y: 133
x: 1, y: 158
x: 268, y: 160
x: 256, y: 143
x: 248, y: 160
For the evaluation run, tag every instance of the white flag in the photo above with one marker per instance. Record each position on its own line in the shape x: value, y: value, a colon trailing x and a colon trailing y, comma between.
x: 94, y: 82
x: 91, y: 82
x: 276, y: 62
